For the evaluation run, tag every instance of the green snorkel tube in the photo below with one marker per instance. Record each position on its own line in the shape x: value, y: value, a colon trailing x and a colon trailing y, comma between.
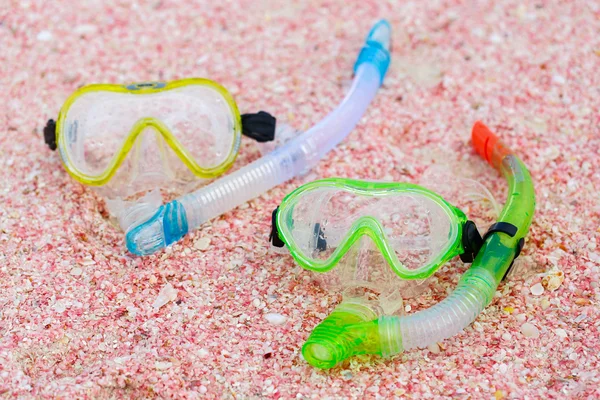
x: 355, y: 328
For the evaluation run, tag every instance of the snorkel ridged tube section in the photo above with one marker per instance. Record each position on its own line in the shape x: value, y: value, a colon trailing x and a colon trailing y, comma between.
x: 439, y: 322
x: 293, y: 158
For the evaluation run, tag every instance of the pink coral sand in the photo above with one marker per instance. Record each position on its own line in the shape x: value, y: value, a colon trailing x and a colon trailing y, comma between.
x: 76, y: 310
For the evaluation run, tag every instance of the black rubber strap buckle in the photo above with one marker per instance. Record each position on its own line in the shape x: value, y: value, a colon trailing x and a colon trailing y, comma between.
x: 520, y: 245
x: 50, y: 134
x: 259, y: 126
x: 321, y: 241
x: 501, y: 227
x: 277, y: 242
x: 274, y: 236
x: 471, y: 241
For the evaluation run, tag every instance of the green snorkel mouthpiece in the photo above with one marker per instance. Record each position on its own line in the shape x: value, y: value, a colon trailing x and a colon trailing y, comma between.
x: 351, y: 329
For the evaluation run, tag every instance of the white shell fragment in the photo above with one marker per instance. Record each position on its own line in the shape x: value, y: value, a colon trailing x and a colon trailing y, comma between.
x: 202, y: 243
x: 434, y: 348
x: 275, y: 318
x: 85, y: 29
x: 561, y: 333
x: 537, y: 289
x: 45, y: 36
x: 530, y: 330
x: 167, y: 293
x: 162, y: 365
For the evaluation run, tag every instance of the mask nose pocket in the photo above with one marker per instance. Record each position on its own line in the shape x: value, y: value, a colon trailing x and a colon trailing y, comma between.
x: 150, y: 152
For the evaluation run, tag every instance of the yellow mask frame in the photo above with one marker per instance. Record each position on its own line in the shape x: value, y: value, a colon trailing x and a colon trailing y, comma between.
x: 143, y: 123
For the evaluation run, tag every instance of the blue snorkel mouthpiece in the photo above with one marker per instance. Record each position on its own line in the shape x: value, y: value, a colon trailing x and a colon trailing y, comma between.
x: 166, y: 226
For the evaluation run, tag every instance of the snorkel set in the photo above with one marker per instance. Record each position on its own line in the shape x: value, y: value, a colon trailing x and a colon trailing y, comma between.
x: 140, y: 142
x: 134, y: 140
x: 332, y: 223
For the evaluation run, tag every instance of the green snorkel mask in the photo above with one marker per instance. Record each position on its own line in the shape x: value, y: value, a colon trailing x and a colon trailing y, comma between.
x: 411, y: 230
x: 322, y: 221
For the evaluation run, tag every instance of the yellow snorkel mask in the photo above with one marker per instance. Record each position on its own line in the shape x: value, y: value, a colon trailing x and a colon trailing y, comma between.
x: 131, y: 139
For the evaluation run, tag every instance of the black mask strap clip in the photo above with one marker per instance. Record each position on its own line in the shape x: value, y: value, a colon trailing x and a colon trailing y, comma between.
x: 274, y: 236
x: 259, y: 126
x: 50, y: 134
x: 277, y: 242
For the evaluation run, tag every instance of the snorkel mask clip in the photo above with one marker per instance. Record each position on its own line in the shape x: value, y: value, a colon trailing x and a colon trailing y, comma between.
x: 50, y: 134
x: 259, y: 126
x: 277, y: 242
x: 472, y: 241
x: 510, y: 230
x: 274, y: 236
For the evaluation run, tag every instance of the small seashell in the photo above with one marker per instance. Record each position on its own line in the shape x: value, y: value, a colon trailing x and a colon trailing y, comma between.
x: 559, y: 79
x: 202, y: 353
x: 537, y: 289
x: 580, y: 318
x: 88, y: 261
x: 275, y: 318
x: 85, y: 29
x: 530, y: 330
x: 434, y: 348
x: 202, y: 243
x: 60, y: 307
x: 167, y: 293
x: 553, y: 280
x: 582, y: 301
x: 561, y: 333
x: 162, y: 365
x: 45, y: 36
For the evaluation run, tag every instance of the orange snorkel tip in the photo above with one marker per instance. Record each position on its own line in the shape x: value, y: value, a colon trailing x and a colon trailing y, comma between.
x: 484, y: 140
x: 488, y: 145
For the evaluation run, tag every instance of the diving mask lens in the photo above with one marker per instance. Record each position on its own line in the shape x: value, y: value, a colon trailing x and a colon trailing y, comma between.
x: 414, y: 229
x: 195, y: 121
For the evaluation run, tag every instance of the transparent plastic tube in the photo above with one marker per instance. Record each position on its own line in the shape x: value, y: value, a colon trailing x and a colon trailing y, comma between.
x: 175, y: 219
x: 342, y: 334
x: 476, y: 288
